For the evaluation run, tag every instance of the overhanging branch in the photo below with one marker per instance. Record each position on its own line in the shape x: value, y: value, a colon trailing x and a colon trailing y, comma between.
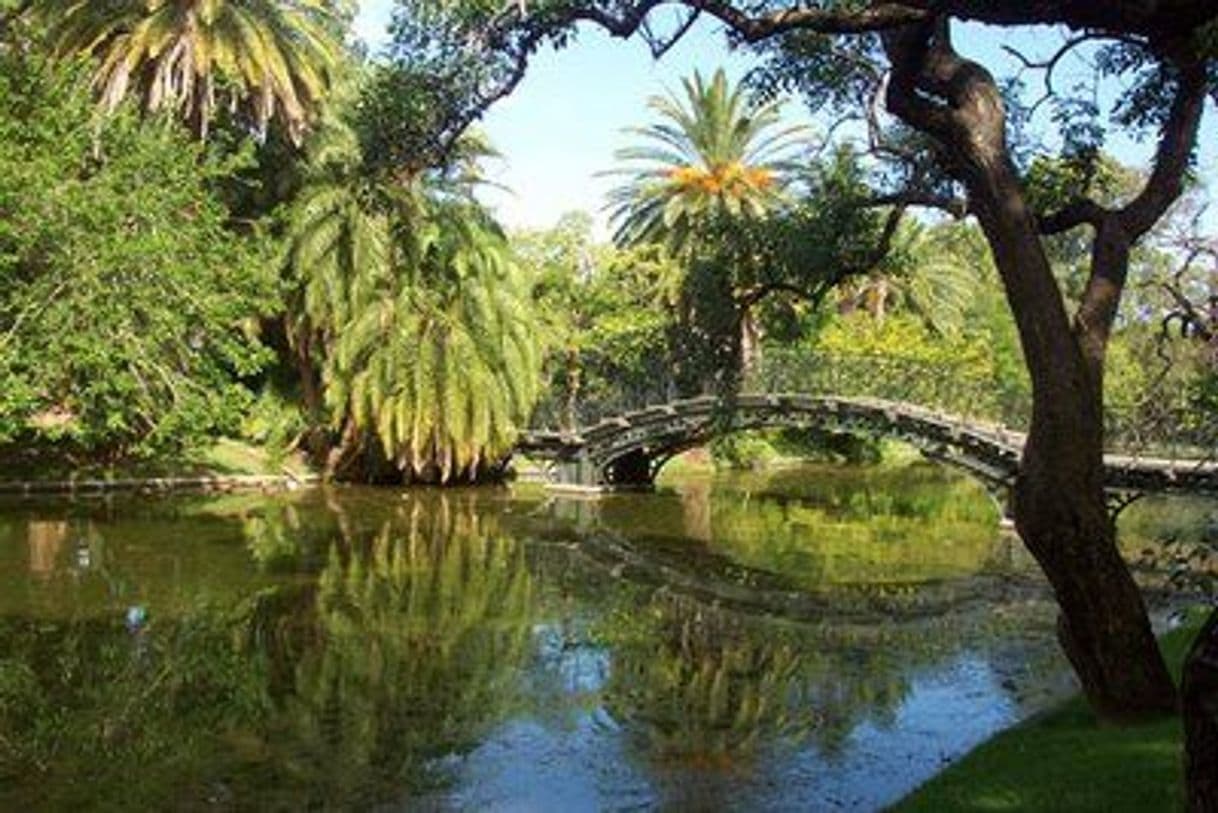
x: 1082, y: 211
x: 1175, y: 152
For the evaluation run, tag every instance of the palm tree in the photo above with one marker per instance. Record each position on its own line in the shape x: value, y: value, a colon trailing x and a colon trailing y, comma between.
x: 711, y: 155
x: 339, y: 250
x: 412, y: 314
x: 925, y: 276
x: 711, y: 167
x: 441, y: 364
x: 270, y: 57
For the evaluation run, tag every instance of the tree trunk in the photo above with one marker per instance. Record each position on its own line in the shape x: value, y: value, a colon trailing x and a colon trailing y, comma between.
x: 1199, y: 693
x: 570, y: 416
x: 316, y: 438
x: 1060, y: 511
x: 750, y: 345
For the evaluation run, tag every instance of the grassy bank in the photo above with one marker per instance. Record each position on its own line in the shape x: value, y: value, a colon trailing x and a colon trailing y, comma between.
x: 226, y: 457
x: 1066, y: 760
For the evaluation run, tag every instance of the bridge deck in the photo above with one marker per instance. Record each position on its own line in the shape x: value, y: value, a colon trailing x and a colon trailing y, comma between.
x: 989, y: 451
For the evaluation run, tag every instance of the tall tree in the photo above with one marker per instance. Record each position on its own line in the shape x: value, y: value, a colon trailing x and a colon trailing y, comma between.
x: 712, y: 155
x: 901, y: 55
x: 410, y: 318
x: 717, y: 182
x: 270, y: 58
x: 440, y: 361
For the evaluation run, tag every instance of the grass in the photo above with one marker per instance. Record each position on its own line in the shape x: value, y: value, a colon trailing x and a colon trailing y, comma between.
x: 225, y: 457
x: 1065, y: 760
x: 229, y: 456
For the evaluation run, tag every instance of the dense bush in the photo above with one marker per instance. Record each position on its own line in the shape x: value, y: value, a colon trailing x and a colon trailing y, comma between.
x: 126, y: 302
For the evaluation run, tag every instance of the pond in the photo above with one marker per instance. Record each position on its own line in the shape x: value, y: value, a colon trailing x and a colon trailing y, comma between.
x: 806, y: 638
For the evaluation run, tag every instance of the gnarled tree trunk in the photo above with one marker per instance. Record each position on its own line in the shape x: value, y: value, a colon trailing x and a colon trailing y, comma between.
x: 1199, y: 695
x: 1060, y: 510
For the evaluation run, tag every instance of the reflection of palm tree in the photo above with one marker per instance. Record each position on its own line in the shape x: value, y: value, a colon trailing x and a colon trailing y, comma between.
x: 697, y: 690
x: 422, y: 630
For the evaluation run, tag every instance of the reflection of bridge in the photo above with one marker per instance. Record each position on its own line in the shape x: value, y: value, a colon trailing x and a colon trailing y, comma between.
x: 629, y: 450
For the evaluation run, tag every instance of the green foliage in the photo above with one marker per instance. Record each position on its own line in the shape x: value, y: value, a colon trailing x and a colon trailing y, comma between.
x: 1053, y: 182
x: 607, y: 314
x: 957, y: 371
x: 274, y: 423
x: 432, y: 84
x: 712, y: 157
x: 126, y: 304
x: 274, y: 59
x: 742, y: 450
x: 406, y: 298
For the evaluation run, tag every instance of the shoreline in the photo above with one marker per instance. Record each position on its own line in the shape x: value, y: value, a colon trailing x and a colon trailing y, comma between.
x: 157, y: 485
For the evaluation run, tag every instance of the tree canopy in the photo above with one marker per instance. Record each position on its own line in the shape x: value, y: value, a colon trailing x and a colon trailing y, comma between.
x: 128, y: 309
x: 270, y: 59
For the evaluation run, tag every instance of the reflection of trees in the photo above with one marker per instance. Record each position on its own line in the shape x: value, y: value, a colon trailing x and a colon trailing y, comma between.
x: 421, y: 628
x: 710, y: 689
x: 832, y: 526
x: 45, y: 538
x: 694, y: 689
x: 335, y: 693
x: 394, y: 631
x: 95, y: 716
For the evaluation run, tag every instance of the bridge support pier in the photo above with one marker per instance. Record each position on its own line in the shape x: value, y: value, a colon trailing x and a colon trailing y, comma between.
x: 582, y: 474
x: 578, y: 472
x: 1003, y: 497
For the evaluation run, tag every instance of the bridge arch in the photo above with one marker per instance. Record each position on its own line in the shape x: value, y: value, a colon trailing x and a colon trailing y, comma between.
x: 629, y: 449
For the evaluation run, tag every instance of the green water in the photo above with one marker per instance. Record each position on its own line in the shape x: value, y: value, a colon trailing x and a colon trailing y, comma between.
x: 806, y: 639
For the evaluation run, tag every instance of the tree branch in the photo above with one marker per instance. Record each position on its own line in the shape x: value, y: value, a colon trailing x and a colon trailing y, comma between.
x: 875, y: 17
x: 1174, y: 154
x: 1081, y: 211
x: 913, y: 198
x: 661, y: 46
x: 1048, y: 65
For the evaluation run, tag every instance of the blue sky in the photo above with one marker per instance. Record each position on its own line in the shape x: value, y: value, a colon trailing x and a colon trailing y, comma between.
x: 563, y: 123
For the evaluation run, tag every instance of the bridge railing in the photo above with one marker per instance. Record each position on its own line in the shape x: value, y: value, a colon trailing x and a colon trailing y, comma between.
x: 1162, y: 429
x: 949, y: 387
x: 1155, y: 427
x: 552, y: 411
x: 1158, y: 425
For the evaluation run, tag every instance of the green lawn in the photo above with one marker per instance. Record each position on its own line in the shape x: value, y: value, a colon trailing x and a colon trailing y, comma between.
x: 1065, y: 760
x: 225, y: 456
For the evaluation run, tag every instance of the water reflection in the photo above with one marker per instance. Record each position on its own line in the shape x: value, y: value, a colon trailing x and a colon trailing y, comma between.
x: 341, y: 649
x: 413, y: 650
x: 45, y: 540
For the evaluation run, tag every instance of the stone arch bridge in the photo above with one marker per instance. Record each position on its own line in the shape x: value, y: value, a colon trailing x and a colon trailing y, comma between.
x: 629, y: 449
